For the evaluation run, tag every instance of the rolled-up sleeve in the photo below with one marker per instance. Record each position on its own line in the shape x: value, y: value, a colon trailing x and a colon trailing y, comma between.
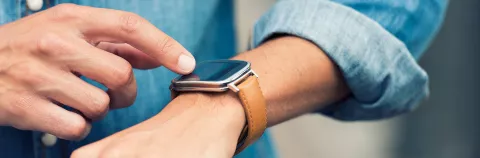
x: 378, y: 66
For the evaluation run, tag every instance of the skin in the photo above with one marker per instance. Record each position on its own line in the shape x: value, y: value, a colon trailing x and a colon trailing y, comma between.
x: 303, y: 80
x: 42, y: 56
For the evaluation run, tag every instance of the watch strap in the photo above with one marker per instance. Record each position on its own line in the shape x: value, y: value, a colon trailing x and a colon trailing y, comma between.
x: 255, y: 108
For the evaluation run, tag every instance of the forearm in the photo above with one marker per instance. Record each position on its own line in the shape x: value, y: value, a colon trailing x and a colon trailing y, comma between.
x: 296, y: 77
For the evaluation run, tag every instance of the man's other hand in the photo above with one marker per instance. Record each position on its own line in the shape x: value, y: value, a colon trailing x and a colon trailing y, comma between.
x: 42, y: 55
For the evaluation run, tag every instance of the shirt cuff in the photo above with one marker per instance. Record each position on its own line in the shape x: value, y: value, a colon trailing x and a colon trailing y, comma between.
x: 384, y: 78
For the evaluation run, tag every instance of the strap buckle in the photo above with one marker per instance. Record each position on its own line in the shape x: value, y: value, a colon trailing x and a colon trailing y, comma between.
x: 233, y: 85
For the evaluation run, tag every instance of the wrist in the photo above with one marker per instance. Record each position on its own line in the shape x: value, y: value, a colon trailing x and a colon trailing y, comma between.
x: 226, y: 108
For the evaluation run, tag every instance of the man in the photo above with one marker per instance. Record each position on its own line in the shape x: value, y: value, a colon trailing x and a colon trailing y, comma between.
x: 347, y: 59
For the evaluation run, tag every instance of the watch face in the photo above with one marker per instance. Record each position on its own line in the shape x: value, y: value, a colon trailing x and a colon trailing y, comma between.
x: 216, y: 71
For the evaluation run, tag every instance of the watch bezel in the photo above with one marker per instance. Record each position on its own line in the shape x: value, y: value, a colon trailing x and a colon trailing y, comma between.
x: 213, y: 86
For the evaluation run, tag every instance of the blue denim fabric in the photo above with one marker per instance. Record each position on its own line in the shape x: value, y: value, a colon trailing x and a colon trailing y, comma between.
x: 376, y: 52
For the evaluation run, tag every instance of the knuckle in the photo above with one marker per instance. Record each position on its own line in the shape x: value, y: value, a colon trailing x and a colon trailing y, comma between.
x: 129, y: 22
x: 77, y: 129
x: 30, y: 74
x: 100, y: 106
x: 165, y: 44
x: 46, y: 42
x: 123, y: 74
x: 64, y: 11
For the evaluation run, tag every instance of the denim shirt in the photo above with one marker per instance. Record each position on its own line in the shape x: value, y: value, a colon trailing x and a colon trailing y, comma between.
x: 375, y: 43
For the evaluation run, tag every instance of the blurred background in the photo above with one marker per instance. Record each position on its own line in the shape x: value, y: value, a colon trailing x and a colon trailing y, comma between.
x: 447, y: 125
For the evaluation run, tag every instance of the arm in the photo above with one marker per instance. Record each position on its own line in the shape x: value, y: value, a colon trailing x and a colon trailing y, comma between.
x: 284, y: 62
x: 296, y: 77
x: 337, y: 61
x: 379, y: 69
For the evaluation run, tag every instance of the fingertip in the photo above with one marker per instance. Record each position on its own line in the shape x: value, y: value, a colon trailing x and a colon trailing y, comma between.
x: 186, y: 63
x: 76, y: 129
x: 88, y: 128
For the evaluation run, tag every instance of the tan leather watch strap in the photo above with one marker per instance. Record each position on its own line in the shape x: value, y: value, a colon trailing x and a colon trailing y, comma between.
x: 255, y: 107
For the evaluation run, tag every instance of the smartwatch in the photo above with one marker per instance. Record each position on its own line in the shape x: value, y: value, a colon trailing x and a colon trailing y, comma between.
x: 221, y: 76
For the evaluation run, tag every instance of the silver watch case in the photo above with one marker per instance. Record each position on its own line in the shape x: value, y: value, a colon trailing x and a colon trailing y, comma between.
x: 214, y: 86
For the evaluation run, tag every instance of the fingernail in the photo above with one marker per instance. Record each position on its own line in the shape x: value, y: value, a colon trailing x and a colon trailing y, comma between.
x: 87, y: 131
x: 186, y: 63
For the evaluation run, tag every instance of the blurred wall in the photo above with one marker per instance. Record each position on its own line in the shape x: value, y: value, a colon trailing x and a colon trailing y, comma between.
x: 447, y: 125
x: 247, y: 12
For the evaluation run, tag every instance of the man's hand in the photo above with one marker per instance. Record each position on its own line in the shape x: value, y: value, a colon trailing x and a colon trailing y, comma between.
x: 42, y: 55
x: 192, y: 125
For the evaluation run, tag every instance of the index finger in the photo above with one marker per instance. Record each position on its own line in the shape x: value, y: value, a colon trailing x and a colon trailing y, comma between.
x: 99, y: 24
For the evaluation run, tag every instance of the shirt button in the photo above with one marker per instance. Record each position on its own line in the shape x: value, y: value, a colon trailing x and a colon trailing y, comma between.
x: 35, y: 5
x: 49, y: 140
